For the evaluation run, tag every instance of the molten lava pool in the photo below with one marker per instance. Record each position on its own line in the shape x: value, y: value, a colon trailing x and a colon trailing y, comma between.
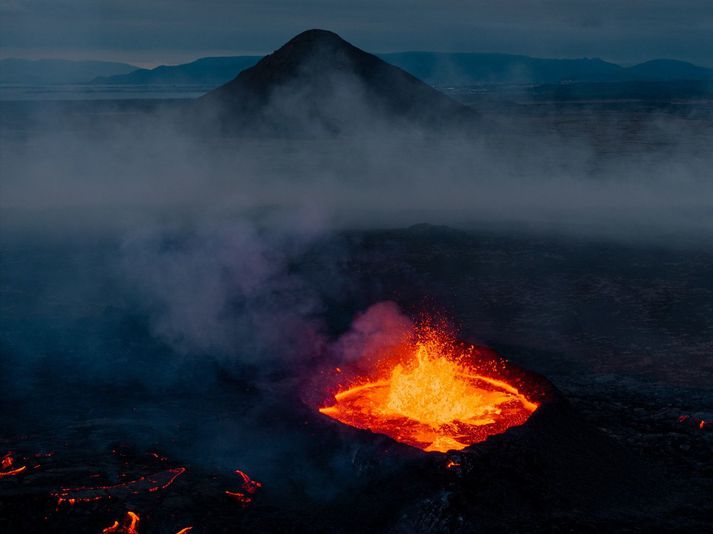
x: 433, y: 394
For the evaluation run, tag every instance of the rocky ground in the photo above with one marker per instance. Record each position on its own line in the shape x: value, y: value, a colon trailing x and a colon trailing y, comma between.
x: 622, y: 330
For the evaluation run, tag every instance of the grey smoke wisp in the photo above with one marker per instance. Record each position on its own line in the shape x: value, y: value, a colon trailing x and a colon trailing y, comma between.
x: 225, y: 289
x: 650, y: 172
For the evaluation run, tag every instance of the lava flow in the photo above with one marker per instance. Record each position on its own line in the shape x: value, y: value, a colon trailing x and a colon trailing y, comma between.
x: 433, y: 394
x: 7, y: 466
x: 129, y: 526
x: 249, y: 488
x: 150, y: 483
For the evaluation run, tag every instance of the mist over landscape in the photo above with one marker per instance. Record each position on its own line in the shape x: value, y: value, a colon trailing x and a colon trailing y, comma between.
x: 183, y: 273
x: 578, y: 171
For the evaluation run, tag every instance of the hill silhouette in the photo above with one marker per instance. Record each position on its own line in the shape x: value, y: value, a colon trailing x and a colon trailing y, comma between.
x: 204, y: 71
x: 661, y: 70
x: 319, y: 82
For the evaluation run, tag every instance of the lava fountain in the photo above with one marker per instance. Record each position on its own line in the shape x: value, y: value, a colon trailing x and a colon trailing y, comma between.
x: 433, y: 393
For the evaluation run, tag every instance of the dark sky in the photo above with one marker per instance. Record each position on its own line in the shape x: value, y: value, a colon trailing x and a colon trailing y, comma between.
x: 150, y: 32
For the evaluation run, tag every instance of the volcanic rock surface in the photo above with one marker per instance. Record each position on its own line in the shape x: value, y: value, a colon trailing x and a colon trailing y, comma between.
x: 513, y: 480
x: 614, y: 457
x: 319, y: 83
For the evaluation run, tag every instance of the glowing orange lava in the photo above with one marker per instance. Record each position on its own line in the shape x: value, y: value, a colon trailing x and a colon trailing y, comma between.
x: 7, y: 466
x: 435, y: 397
x: 694, y: 421
x: 248, y: 490
x: 129, y: 526
x: 150, y: 483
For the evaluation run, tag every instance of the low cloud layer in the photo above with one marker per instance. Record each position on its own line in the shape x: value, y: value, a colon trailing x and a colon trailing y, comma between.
x: 609, y: 173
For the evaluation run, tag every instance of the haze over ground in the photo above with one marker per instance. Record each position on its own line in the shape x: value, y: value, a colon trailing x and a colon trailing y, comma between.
x: 646, y: 169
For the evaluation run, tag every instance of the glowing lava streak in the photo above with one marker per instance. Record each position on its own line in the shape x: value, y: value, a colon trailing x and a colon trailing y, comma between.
x: 7, y: 468
x: 130, y: 525
x: 436, y: 399
x: 150, y: 483
x: 249, y: 488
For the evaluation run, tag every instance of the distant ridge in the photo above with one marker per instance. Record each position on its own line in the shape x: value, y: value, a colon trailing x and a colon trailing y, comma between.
x: 444, y: 69
x: 57, y: 71
x: 318, y: 81
x: 472, y: 69
x: 205, y: 71
x: 667, y: 70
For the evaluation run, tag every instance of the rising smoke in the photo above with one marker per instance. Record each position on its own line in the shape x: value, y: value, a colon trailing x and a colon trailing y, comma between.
x: 206, y: 230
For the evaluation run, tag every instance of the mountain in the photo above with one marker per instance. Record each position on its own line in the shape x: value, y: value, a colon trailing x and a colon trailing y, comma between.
x: 318, y: 82
x: 205, y: 71
x: 57, y: 71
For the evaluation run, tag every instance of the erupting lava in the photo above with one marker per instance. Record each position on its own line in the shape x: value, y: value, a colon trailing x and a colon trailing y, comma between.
x: 432, y: 394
